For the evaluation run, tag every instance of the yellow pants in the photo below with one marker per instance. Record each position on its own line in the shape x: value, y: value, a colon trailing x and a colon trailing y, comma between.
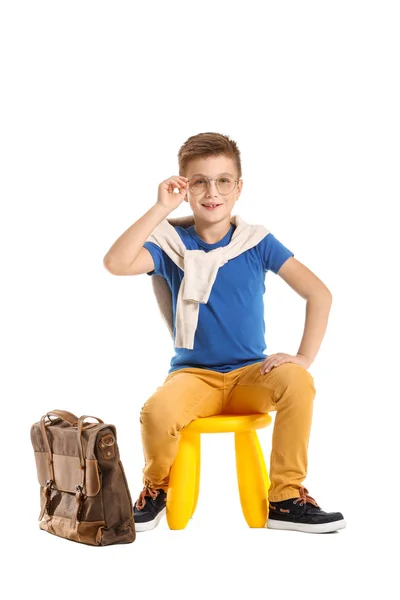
x: 187, y: 394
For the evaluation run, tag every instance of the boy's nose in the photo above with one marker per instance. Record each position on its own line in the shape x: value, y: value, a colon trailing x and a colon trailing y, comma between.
x: 212, y: 189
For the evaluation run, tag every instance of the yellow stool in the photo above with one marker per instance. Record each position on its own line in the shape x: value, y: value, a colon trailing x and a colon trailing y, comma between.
x: 252, y: 474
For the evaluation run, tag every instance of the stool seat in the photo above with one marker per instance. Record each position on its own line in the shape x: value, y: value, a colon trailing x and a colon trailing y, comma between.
x: 229, y: 423
x: 252, y: 474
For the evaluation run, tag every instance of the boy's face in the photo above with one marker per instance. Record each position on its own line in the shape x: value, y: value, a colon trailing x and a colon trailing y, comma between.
x: 212, y: 167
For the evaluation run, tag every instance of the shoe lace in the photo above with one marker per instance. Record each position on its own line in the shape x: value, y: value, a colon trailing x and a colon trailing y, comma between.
x: 141, y: 501
x: 305, y: 497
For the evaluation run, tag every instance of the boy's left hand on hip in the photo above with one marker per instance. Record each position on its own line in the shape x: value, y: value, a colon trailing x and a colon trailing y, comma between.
x: 274, y: 360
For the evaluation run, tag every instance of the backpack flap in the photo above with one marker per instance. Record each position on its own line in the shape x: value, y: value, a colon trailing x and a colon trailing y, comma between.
x: 68, y: 473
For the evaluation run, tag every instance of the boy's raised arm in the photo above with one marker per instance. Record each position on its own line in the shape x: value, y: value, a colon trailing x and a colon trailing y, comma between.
x: 127, y: 248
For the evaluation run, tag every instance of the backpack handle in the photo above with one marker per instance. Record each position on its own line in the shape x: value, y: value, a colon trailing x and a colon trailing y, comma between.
x: 64, y: 414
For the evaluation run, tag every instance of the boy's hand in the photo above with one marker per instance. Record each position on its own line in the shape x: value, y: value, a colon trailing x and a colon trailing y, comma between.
x: 166, y: 195
x: 274, y: 360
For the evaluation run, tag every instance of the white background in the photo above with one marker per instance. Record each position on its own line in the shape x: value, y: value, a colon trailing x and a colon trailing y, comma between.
x: 96, y: 100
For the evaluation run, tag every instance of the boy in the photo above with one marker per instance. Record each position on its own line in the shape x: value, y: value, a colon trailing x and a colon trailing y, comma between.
x: 219, y: 365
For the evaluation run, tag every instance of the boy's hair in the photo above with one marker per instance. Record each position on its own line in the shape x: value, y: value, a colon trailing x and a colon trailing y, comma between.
x: 208, y: 144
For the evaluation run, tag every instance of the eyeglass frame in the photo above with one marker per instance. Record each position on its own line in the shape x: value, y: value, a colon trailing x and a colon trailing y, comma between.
x: 211, y: 179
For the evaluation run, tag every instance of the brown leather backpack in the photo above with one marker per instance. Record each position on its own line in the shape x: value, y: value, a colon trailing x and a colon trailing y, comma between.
x: 84, y: 494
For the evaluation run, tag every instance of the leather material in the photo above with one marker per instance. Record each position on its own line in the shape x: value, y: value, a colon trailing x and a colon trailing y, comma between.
x: 67, y: 473
x: 84, y: 494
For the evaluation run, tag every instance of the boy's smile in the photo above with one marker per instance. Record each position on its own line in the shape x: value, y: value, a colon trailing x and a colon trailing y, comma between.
x: 211, y: 206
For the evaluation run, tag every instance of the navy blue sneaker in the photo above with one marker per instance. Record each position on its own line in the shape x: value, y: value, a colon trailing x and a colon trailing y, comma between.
x: 149, y: 508
x: 303, y: 514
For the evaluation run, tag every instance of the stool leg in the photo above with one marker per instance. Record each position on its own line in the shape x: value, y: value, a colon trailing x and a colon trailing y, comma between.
x: 198, y: 466
x: 182, y: 481
x: 264, y: 470
x: 251, y: 478
x: 261, y: 459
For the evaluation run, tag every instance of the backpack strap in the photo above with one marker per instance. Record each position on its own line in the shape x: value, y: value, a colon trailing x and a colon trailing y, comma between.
x: 79, y: 496
x: 64, y: 414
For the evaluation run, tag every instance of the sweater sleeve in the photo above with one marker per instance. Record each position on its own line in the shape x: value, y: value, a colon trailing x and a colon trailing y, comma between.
x: 273, y: 253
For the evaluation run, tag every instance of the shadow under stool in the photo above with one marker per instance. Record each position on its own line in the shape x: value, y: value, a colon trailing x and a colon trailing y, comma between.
x: 252, y: 474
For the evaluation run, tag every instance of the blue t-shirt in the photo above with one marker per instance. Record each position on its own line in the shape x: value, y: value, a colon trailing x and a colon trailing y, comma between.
x: 230, y: 331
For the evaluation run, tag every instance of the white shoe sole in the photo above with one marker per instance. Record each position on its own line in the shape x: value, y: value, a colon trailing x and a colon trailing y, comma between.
x: 151, y: 524
x: 305, y: 527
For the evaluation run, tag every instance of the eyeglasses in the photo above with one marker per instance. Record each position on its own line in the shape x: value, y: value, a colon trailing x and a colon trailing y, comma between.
x: 199, y: 184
